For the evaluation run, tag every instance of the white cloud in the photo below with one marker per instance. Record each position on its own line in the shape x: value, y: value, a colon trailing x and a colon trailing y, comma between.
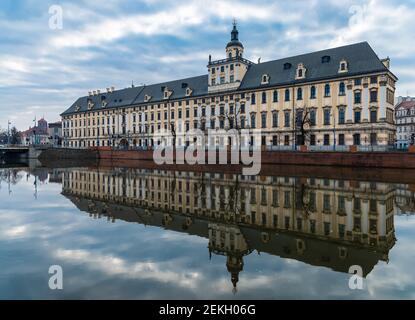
x: 112, y: 43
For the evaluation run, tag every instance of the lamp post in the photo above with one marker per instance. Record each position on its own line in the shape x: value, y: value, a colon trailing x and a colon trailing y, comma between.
x: 34, y: 131
x: 8, y: 132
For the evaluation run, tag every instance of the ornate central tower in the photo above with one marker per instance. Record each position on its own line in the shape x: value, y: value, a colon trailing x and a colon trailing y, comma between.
x: 227, y: 74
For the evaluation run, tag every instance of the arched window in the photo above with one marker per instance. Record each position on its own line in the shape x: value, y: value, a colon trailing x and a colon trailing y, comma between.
x: 253, y: 120
x: 275, y: 96
x: 327, y: 90
x: 342, y: 90
x: 287, y: 95
x: 253, y: 98
x: 299, y: 94
x: 313, y: 92
x: 264, y: 97
x: 230, y: 55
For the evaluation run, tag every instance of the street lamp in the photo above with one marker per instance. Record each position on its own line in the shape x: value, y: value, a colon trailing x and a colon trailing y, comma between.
x: 8, y: 132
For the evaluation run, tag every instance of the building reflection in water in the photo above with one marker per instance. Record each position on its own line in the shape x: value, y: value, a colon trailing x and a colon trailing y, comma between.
x: 322, y: 222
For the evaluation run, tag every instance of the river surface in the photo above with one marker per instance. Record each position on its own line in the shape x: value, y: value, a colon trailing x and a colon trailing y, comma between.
x: 119, y: 233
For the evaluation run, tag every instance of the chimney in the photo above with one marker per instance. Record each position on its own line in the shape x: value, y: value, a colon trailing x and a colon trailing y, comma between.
x: 89, y: 93
x: 112, y: 89
x: 386, y: 62
x: 108, y: 90
x: 98, y: 92
x: 95, y: 93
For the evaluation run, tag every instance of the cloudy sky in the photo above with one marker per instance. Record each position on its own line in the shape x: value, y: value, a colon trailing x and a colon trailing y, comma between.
x: 43, y: 69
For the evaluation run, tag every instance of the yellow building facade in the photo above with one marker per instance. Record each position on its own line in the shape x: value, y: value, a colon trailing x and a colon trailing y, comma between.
x: 331, y: 98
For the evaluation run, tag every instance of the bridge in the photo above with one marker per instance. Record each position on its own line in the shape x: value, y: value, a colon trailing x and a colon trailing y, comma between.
x: 20, y: 152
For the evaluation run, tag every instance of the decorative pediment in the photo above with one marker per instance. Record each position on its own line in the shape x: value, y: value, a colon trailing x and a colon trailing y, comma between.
x: 77, y: 108
x: 189, y: 92
x: 104, y: 103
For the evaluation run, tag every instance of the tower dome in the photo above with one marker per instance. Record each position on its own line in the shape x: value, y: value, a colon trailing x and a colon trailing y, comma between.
x: 234, y: 38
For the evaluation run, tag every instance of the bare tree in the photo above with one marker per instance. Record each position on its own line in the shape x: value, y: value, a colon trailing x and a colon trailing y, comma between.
x: 303, y: 125
x: 303, y: 200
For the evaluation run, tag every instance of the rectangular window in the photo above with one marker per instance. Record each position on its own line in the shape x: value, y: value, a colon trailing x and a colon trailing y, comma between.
x: 373, y: 96
x: 275, y: 119
x: 242, y: 108
x: 274, y: 140
x: 286, y: 140
x: 373, y: 138
x: 242, y: 123
x: 356, y: 139
x: 263, y: 120
x: 341, y: 139
x: 326, y: 203
x: 222, y: 110
x: 232, y: 78
x: 327, y: 114
x: 326, y: 139
x: 313, y: 117
x: 342, y: 119
x: 287, y: 119
x: 373, y: 116
x: 313, y: 140
x: 357, y: 82
x: 357, y: 97
x: 374, y: 80
x: 357, y: 116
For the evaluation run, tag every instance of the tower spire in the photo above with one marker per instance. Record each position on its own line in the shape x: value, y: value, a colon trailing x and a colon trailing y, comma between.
x: 234, y: 33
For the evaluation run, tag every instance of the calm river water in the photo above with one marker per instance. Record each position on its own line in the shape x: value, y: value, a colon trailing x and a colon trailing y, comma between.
x: 152, y: 234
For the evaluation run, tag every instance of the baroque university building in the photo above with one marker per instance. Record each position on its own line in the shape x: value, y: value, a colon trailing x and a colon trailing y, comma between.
x: 336, y: 97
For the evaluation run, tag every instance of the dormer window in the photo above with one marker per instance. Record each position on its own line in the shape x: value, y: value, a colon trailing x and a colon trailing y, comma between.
x: 325, y: 59
x: 343, y: 66
x: 103, y: 101
x: 147, y: 98
x: 77, y: 108
x: 188, y: 92
x: 90, y: 104
x: 287, y: 66
x: 167, y: 93
x: 265, y: 79
x: 301, y: 71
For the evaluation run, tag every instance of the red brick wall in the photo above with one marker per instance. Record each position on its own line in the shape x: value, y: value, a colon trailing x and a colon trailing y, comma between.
x: 344, y: 159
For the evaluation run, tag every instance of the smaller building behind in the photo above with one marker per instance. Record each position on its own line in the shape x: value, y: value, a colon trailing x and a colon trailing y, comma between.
x: 55, y: 133
x: 43, y: 133
x: 405, y: 122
